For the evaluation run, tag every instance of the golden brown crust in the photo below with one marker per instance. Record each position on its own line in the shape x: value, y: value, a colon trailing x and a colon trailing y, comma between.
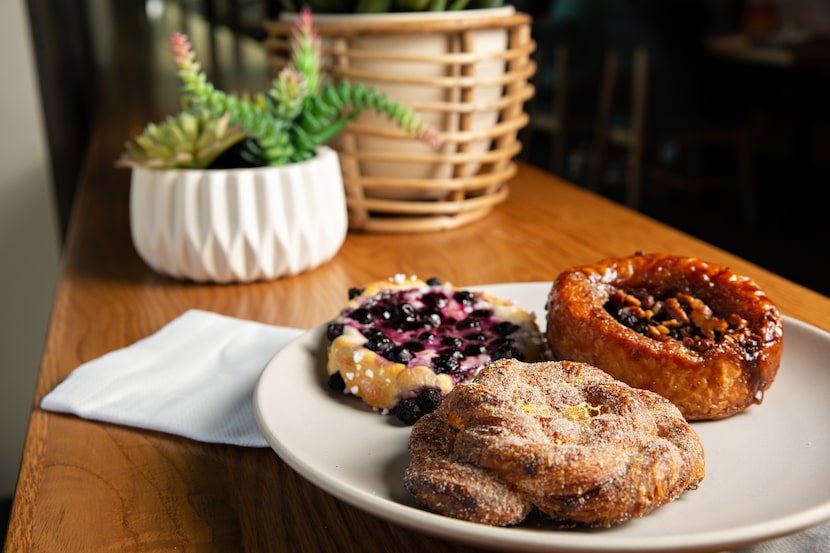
x: 563, y: 437
x: 709, y: 380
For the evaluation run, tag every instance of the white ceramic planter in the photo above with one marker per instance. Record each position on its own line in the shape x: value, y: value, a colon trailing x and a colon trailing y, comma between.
x: 239, y: 225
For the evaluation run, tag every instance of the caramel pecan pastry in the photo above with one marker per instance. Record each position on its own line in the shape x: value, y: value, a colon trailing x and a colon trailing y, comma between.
x: 702, y: 336
x: 558, y: 436
x: 401, y: 344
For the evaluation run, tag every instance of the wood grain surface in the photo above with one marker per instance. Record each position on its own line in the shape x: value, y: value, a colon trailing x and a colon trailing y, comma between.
x: 86, y: 486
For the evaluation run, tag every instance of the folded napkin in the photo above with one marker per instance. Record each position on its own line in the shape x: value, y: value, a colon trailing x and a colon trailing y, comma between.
x: 194, y: 377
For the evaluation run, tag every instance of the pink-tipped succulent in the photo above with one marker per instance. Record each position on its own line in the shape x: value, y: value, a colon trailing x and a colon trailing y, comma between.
x: 182, y: 51
x: 307, y: 49
x: 284, y: 124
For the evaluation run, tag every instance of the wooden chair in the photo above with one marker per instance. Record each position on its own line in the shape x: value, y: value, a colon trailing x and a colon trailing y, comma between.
x: 551, y: 111
x: 639, y: 137
x: 549, y: 120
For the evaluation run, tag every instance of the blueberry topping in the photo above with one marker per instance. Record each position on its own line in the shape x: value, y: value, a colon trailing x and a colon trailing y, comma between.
x: 370, y: 333
x: 399, y: 354
x: 336, y: 382
x: 354, y: 292
x: 416, y: 324
x: 500, y: 343
x: 435, y: 300
x: 431, y: 318
x: 446, y: 363
x: 408, y: 411
x: 475, y: 349
x: 333, y: 331
x: 380, y: 344
x: 404, y: 312
x: 507, y: 352
x: 448, y: 326
x: 452, y: 341
x: 505, y: 328
x: 381, y: 313
x: 363, y: 316
x: 434, y: 281
x: 429, y: 400
x: 464, y: 297
x: 469, y: 323
x: 414, y: 346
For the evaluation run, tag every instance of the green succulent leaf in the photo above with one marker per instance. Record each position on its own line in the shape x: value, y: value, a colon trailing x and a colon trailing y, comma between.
x: 186, y: 140
x: 373, y: 6
x: 281, y: 125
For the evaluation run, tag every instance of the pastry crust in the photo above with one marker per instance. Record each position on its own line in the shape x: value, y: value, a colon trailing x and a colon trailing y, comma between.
x: 563, y: 437
x: 713, y: 365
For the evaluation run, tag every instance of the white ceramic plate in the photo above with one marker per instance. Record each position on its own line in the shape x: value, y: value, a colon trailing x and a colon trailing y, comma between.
x: 767, y: 468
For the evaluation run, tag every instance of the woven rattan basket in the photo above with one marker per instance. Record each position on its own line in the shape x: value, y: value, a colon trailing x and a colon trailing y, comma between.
x: 475, y: 99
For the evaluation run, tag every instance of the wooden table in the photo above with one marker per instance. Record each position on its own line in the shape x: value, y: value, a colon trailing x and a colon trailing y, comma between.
x: 86, y: 486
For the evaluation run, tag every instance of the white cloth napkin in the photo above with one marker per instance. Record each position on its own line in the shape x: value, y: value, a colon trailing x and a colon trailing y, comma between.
x: 194, y: 377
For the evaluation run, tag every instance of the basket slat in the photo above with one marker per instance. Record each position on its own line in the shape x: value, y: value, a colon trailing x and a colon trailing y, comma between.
x: 489, y: 156
x: 439, y: 187
x: 438, y: 208
x: 394, y: 183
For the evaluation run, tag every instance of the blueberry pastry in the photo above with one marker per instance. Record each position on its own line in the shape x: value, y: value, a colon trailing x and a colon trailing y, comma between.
x: 695, y: 332
x: 402, y: 344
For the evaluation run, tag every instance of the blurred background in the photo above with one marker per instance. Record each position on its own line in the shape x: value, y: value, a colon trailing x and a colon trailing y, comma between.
x: 712, y: 116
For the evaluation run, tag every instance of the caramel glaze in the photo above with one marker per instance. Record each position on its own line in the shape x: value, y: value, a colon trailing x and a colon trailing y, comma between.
x: 706, y: 378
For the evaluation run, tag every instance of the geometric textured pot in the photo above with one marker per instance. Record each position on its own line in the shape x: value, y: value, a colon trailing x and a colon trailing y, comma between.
x: 239, y: 225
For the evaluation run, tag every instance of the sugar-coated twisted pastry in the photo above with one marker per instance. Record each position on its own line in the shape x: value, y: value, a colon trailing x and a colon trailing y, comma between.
x: 561, y: 437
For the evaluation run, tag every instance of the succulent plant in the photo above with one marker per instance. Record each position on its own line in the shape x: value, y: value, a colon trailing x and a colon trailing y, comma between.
x: 281, y: 125
x: 189, y: 139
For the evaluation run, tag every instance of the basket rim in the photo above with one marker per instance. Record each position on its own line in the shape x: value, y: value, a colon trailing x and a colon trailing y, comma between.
x: 451, y: 81
x: 275, y: 44
x: 351, y: 27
